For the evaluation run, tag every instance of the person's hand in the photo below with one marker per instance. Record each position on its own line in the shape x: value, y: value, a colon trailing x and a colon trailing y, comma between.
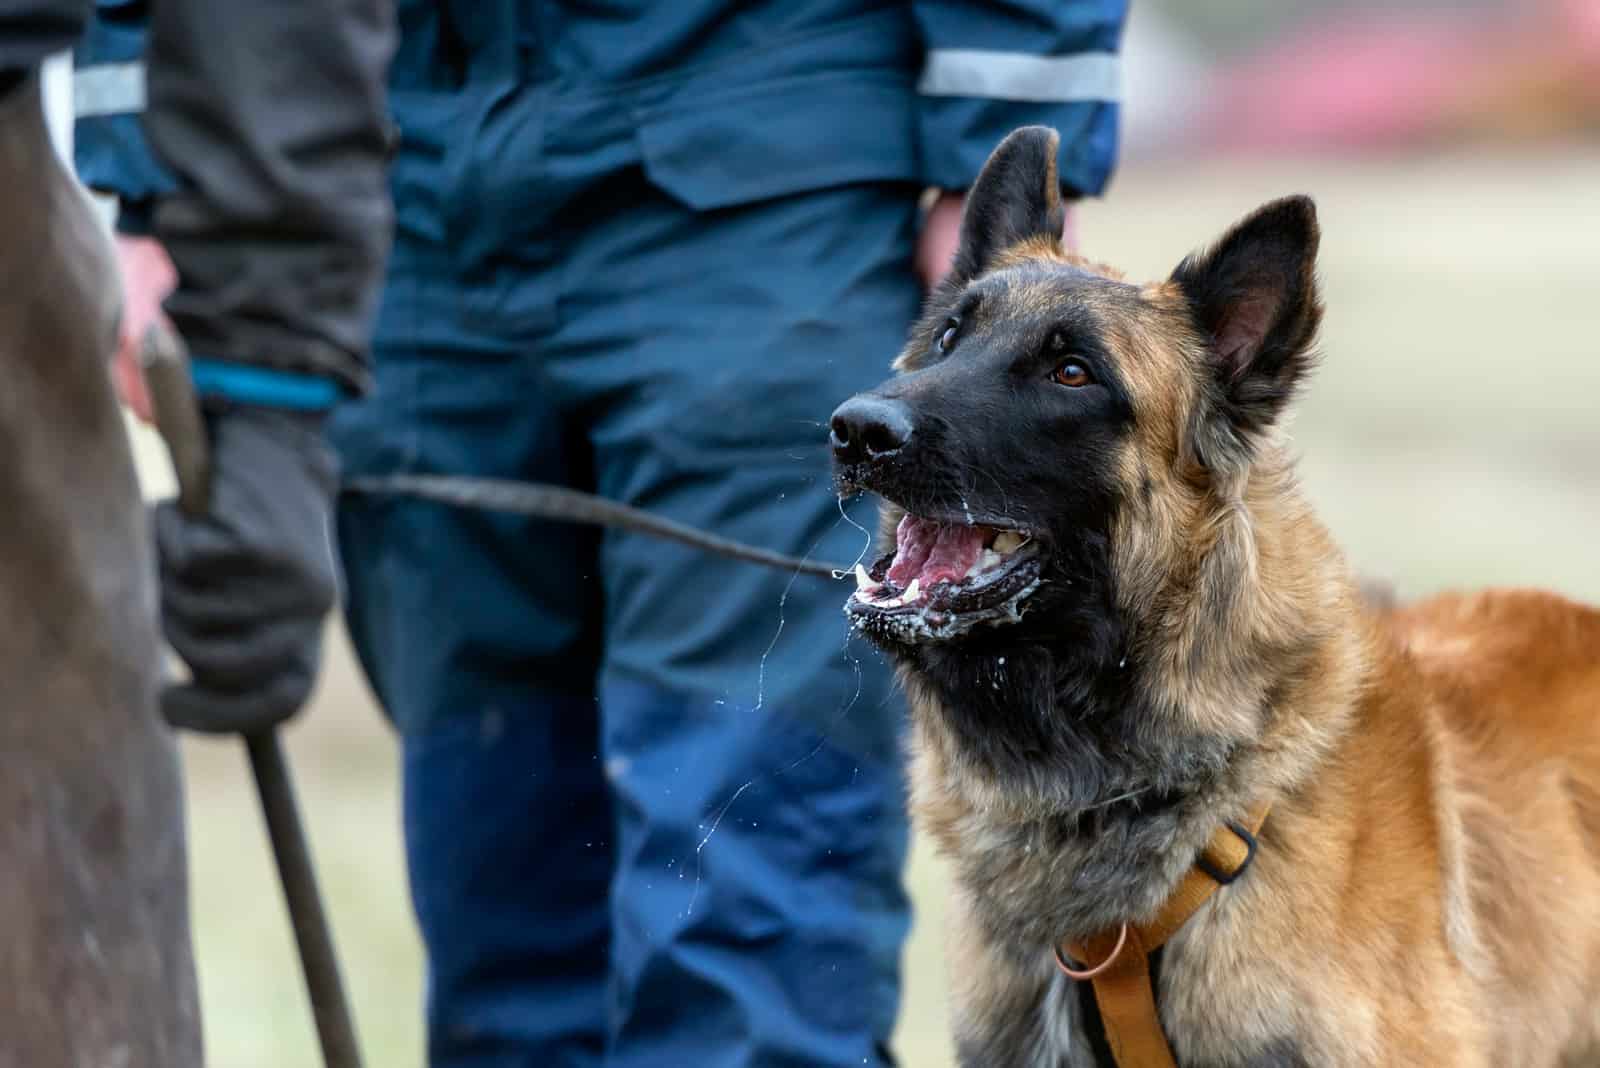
x: 941, y: 233
x: 148, y: 278
x: 245, y: 588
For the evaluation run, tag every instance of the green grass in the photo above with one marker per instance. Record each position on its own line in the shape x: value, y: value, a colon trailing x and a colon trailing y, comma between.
x: 1451, y: 439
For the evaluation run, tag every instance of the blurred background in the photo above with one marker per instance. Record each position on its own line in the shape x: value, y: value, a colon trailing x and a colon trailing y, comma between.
x: 1452, y: 437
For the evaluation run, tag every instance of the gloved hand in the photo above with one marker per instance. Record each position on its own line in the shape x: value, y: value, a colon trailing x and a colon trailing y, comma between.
x: 245, y: 588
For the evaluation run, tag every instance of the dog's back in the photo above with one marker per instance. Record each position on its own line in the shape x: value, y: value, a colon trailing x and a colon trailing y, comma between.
x: 1515, y: 676
x: 1507, y: 691
x: 1430, y: 897
x: 1517, y: 680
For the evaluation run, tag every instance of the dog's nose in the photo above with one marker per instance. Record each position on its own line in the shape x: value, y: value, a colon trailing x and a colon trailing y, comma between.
x: 869, y: 428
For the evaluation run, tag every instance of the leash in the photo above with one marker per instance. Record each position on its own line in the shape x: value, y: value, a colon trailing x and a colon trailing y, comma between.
x: 1122, y: 986
x: 545, y: 500
x: 177, y: 418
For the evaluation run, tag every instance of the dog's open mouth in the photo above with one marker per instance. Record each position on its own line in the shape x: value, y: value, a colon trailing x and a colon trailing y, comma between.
x: 943, y: 579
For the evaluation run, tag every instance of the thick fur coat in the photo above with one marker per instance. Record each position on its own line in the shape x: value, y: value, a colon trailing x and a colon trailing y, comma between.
x: 1189, y: 643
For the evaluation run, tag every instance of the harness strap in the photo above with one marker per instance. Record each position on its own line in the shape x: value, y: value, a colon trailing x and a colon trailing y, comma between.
x: 1121, y: 979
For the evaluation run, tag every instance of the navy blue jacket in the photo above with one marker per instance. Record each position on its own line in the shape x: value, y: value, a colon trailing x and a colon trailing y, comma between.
x: 722, y: 102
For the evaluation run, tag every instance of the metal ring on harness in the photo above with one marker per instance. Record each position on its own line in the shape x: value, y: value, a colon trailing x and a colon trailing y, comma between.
x: 1081, y: 974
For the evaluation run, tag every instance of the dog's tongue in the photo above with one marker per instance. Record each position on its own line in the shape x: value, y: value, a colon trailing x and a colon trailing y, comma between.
x: 933, y: 552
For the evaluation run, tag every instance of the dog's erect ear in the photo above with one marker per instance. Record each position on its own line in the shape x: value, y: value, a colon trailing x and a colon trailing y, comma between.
x: 1017, y: 196
x: 1254, y: 297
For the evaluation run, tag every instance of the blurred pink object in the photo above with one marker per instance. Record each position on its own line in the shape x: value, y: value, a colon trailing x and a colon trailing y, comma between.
x: 1374, y: 80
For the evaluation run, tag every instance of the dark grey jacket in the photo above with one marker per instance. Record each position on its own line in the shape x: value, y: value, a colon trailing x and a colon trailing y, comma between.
x: 269, y: 119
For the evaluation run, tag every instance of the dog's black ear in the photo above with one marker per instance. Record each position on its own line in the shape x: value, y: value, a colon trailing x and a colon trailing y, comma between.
x: 1254, y: 297
x: 1017, y: 196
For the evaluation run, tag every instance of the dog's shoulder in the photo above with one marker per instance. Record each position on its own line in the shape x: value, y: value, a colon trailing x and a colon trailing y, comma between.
x: 1524, y: 660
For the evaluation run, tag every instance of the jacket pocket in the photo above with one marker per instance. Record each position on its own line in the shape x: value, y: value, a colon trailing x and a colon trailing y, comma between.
x: 798, y: 135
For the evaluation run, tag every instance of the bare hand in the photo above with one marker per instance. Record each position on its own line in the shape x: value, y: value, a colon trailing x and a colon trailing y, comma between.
x: 941, y: 233
x: 148, y: 278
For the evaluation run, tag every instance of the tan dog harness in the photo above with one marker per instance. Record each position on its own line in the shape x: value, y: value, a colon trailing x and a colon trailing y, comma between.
x: 1122, y: 986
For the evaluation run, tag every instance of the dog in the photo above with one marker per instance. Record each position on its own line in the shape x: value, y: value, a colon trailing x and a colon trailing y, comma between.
x: 1122, y: 631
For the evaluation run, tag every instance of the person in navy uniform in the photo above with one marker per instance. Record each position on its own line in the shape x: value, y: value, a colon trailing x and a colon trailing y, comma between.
x: 652, y: 799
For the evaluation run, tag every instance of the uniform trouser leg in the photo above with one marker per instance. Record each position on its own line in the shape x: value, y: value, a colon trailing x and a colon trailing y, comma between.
x: 724, y: 888
x: 757, y: 908
x: 479, y: 634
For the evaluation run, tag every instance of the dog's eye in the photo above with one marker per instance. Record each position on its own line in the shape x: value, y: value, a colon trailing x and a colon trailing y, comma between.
x: 1071, y: 373
x: 947, y: 340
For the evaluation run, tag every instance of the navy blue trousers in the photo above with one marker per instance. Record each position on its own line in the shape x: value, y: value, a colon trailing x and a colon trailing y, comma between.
x: 653, y: 803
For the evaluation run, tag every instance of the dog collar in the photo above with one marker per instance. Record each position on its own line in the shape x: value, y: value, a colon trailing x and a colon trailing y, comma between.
x: 1121, y: 979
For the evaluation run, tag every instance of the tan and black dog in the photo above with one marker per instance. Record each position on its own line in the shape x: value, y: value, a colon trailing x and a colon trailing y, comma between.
x: 1122, y: 628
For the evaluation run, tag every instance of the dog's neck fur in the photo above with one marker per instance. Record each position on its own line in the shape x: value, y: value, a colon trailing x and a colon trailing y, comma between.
x: 1207, y: 721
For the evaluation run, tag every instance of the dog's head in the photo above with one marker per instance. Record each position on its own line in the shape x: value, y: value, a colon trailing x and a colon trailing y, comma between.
x: 1059, y: 441
x: 1096, y: 542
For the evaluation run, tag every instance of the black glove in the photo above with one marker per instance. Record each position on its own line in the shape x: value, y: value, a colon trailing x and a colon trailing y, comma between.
x: 245, y: 588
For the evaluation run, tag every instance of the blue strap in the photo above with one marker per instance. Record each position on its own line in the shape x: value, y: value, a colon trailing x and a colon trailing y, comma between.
x: 264, y: 387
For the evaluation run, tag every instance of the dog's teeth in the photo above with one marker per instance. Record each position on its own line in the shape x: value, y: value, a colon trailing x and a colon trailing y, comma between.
x: 1007, y: 541
x: 911, y: 591
x: 864, y: 583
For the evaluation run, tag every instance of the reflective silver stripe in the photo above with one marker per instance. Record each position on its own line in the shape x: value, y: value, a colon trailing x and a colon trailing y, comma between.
x: 1019, y: 76
x: 111, y: 89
